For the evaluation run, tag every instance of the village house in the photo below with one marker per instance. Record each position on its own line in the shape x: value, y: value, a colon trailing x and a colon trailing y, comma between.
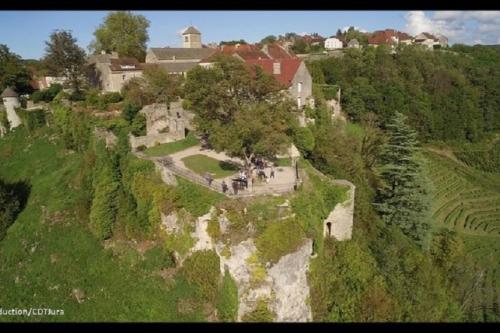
x: 333, y: 43
x: 46, y: 81
x: 179, y: 60
x: 109, y: 73
x: 289, y: 70
x: 430, y: 41
x: 388, y: 37
x: 353, y: 43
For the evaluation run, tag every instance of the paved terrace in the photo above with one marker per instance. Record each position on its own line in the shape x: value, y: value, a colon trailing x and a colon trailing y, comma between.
x: 284, y: 180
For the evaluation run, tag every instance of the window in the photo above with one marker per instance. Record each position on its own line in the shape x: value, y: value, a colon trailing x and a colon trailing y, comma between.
x: 299, y: 87
x: 276, y: 68
x: 124, y: 77
x: 186, y: 39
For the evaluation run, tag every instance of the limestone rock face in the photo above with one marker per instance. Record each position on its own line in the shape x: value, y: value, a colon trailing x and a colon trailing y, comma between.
x: 109, y: 137
x: 169, y: 223
x: 289, y: 277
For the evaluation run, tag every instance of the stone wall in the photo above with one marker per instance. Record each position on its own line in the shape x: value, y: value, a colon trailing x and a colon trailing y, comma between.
x: 149, y: 140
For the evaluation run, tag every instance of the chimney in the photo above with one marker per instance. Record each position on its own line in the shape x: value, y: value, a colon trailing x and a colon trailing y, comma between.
x: 276, y: 68
x: 103, y: 52
x: 114, y: 55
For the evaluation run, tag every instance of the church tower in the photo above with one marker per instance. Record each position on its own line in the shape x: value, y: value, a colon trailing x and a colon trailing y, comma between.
x: 191, y: 38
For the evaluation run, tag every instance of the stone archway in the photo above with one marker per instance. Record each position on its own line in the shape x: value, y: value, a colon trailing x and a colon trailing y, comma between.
x: 329, y: 229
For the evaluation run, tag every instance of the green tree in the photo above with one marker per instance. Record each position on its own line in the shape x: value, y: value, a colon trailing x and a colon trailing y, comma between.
x: 63, y: 57
x: 402, y: 199
x: 268, y: 39
x: 257, y: 130
x: 13, y: 72
x: 105, y: 202
x: 122, y: 32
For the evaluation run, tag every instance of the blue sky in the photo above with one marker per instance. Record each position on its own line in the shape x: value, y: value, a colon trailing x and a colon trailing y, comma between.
x: 24, y: 32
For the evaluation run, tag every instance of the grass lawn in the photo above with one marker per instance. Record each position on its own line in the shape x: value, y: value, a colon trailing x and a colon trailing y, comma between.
x: 172, y: 147
x: 284, y: 162
x: 202, y: 164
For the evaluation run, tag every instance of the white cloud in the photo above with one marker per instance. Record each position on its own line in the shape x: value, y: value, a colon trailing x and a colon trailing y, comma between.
x: 459, y: 26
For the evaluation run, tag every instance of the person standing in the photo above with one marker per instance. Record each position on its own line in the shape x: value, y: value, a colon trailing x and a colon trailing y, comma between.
x: 224, y: 187
x: 272, y: 172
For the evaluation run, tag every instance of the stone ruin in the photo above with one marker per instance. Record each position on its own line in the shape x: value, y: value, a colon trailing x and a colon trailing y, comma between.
x: 163, y: 124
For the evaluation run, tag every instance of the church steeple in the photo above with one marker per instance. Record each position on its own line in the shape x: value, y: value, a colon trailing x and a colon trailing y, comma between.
x: 191, y: 38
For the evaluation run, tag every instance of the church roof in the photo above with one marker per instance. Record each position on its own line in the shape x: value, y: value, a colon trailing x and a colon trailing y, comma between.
x: 191, y: 30
x: 172, y: 53
x: 9, y: 92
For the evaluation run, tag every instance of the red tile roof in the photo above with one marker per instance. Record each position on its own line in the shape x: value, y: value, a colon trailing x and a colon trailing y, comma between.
x: 245, y: 51
x: 288, y: 68
x: 382, y: 37
x: 276, y: 51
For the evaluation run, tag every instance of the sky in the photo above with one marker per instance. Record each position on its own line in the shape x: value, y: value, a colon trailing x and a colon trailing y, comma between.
x: 25, y: 32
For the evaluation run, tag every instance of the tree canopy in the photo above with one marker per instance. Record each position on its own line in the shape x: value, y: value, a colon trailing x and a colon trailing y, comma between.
x: 63, y: 57
x: 13, y: 72
x: 122, y: 32
x: 239, y: 109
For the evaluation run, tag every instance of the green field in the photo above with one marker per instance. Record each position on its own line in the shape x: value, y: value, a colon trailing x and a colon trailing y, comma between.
x: 49, y: 251
x: 172, y: 147
x: 202, y: 164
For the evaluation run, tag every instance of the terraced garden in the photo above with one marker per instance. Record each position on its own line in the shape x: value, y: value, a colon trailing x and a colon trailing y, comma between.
x: 461, y: 201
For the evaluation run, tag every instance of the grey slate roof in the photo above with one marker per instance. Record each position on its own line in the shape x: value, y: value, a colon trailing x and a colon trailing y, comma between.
x: 191, y: 30
x: 167, y: 53
x: 178, y: 67
x: 8, y: 92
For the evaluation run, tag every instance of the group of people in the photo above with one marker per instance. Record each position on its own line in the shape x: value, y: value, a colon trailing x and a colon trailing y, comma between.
x: 245, y: 176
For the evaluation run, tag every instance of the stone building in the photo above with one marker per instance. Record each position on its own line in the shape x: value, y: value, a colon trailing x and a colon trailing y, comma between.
x: 164, y: 124
x: 11, y: 102
x: 333, y: 43
x: 179, y: 60
x: 353, y: 43
x: 109, y: 73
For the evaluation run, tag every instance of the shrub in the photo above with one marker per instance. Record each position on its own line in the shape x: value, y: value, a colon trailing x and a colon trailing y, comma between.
x: 202, y: 269
x: 304, y: 139
x: 111, y: 97
x: 157, y: 258
x: 260, y: 314
x: 213, y: 228
x: 32, y: 119
x: 138, y: 127
x: 3, y: 119
x: 129, y: 111
x: 278, y: 239
x: 142, y: 148
x: 46, y: 95
x: 77, y: 95
x: 105, y: 201
x: 227, y: 299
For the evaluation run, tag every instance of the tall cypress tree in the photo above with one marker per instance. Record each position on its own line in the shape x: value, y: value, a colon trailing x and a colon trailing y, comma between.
x: 402, y: 197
